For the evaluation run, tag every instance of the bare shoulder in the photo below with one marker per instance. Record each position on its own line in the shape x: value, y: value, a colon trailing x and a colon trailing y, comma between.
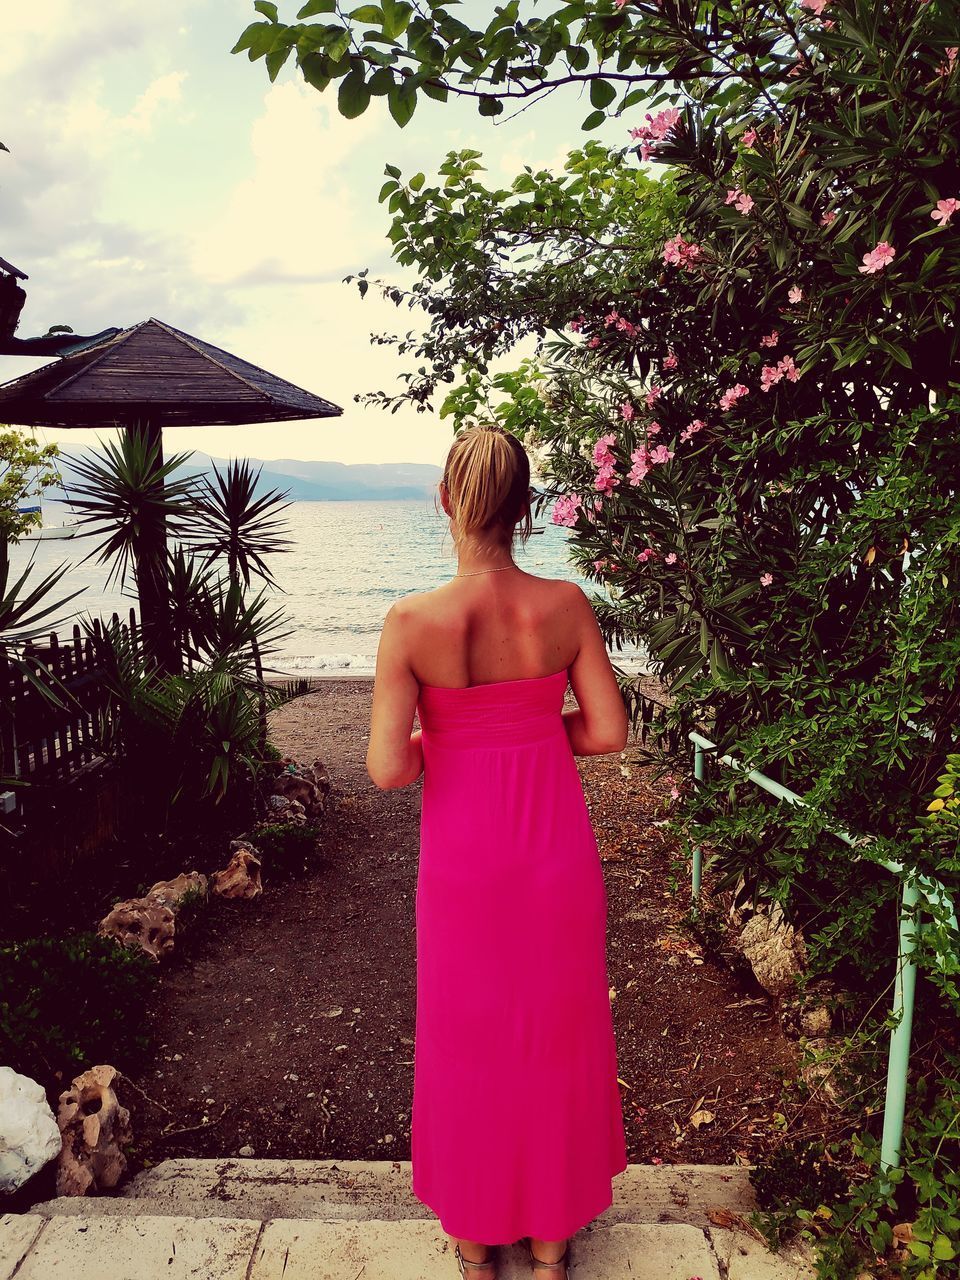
x: 411, y: 606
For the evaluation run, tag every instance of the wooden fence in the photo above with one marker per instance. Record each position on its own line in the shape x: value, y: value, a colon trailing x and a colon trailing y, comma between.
x: 43, y: 743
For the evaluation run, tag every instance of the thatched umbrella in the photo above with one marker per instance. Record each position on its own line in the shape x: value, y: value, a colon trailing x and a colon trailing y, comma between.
x: 143, y: 379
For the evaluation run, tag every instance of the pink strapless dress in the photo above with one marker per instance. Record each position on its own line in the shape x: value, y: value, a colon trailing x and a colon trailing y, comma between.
x: 517, y: 1122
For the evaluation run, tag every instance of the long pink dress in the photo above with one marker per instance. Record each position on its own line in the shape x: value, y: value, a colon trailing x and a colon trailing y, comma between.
x: 517, y: 1122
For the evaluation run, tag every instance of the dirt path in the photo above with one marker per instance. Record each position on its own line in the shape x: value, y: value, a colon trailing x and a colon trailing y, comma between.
x: 289, y: 1021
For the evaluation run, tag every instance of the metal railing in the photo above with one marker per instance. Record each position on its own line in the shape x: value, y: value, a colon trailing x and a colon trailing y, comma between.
x: 915, y: 887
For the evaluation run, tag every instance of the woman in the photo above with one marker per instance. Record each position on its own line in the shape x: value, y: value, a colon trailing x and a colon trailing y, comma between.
x: 516, y: 1123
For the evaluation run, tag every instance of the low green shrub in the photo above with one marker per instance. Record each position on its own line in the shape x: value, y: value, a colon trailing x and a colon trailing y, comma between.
x: 287, y: 849
x: 69, y: 1003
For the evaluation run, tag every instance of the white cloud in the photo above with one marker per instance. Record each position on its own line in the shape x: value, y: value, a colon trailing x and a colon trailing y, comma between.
x: 296, y: 215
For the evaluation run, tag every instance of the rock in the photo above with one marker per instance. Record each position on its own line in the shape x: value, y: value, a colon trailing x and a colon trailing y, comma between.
x: 306, y: 785
x: 816, y: 1021
x: 820, y: 1076
x: 141, y: 922
x: 29, y: 1137
x: 775, y: 951
x: 241, y: 877
x: 246, y: 1151
x: 95, y: 1128
x: 171, y: 893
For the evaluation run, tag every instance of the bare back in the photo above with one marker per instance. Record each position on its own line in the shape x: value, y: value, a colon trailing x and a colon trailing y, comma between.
x: 493, y: 626
x: 482, y: 629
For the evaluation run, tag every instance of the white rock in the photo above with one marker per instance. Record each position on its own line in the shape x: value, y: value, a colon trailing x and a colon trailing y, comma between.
x: 29, y: 1135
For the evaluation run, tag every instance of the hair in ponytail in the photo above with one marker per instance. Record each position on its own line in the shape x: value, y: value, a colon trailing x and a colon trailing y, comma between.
x: 487, y: 476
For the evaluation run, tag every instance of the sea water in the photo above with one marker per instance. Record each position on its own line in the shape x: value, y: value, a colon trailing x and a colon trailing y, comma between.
x: 346, y: 564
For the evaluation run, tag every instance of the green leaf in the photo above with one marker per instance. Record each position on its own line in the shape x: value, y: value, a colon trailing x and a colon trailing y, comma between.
x: 275, y: 60
x: 353, y: 97
x: 402, y: 102
x: 396, y: 16
x: 313, y: 7
x: 268, y: 9
x: 594, y: 120
x: 438, y: 92
x: 367, y: 13
x: 602, y: 93
x: 490, y: 106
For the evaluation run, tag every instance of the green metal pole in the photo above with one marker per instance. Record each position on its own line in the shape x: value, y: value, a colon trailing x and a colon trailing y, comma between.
x: 697, y: 851
x: 899, y: 1060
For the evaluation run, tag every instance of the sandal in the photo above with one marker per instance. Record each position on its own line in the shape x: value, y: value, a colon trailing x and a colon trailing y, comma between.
x: 466, y: 1262
x: 562, y: 1261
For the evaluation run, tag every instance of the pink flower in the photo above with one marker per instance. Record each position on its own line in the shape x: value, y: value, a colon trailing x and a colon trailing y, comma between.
x: 674, y: 793
x: 621, y: 4
x: 945, y: 68
x: 627, y: 411
x: 565, y: 510
x: 670, y: 361
x: 648, y: 553
x: 729, y: 398
x: 945, y: 210
x: 576, y: 325
x: 815, y: 6
x: 795, y: 294
x: 656, y: 1160
x: 653, y: 429
x: 601, y: 450
x: 766, y: 579
x: 827, y: 218
x: 605, y: 480
x: 671, y: 558
x: 743, y: 202
x: 784, y: 368
x: 625, y: 326
x: 877, y: 258
x: 594, y: 341
x: 749, y: 138
x: 599, y: 564
x: 772, y: 338
x: 661, y: 454
x: 612, y: 318
x: 652, y: 395
x: 691, y: 429
x: 655, y: 131
x: 641, y: 465
x: 681, y: 253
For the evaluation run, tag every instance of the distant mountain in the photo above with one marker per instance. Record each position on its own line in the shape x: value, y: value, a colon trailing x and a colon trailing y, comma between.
x: 308, y: 481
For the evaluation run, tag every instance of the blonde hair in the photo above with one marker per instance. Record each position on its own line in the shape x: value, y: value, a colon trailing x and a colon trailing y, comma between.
x: 487, y: 476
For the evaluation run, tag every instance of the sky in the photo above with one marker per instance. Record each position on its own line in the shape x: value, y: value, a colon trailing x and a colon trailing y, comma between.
x: 153, y: 173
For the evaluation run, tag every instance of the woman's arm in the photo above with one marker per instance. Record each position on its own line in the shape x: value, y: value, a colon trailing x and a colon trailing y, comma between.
x: 394, y: 753
x: 599, y: 724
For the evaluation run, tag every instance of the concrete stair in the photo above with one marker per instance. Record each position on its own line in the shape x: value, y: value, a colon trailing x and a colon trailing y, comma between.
x: 358, y: 1220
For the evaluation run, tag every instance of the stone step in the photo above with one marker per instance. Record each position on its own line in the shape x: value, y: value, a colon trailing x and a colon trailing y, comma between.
x: 356, y: 1189
x: 111, y: 1247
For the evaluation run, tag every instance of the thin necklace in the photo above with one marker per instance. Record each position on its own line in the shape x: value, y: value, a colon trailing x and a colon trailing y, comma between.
x: 473, y: 572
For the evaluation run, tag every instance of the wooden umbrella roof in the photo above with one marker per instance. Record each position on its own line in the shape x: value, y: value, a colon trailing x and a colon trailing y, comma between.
x: 154, y: 372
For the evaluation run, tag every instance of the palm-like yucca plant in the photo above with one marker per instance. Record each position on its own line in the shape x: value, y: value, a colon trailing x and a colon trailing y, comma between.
x: 234, y: 524
x: 132, y: 500
x: 231, y: 521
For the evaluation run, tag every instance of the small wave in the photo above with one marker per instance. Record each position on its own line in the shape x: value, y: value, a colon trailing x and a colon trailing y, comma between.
x: 359, y: 663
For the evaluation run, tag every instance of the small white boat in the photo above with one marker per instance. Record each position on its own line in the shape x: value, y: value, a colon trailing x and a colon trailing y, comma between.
x: 69, y: 529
